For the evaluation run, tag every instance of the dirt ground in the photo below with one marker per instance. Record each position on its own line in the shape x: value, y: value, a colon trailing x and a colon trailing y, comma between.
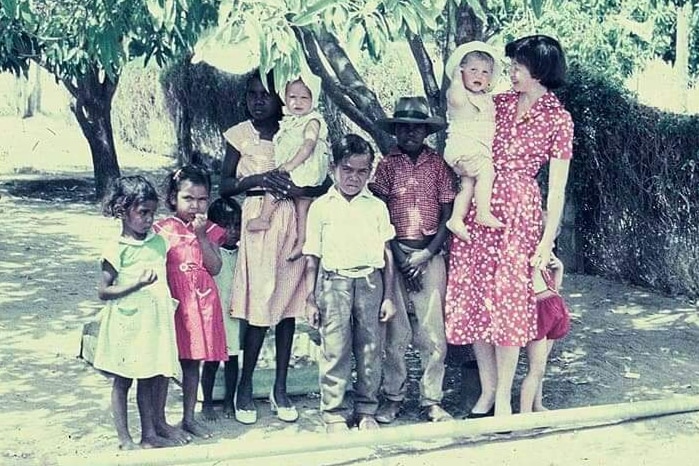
x: 626, y: 345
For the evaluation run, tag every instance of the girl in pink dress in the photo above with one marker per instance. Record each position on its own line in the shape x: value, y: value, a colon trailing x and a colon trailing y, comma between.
x: 192, y: 259
x: 490, y: 296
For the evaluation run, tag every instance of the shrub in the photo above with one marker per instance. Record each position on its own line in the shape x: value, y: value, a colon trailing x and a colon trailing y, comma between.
x: 634, y: 183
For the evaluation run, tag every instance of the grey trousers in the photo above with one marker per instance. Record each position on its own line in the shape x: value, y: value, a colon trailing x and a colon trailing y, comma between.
x: 349, y: 324
x: 420, y: 321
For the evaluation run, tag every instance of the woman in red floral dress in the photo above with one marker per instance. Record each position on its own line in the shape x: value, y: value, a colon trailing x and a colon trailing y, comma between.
x: 490, y: 298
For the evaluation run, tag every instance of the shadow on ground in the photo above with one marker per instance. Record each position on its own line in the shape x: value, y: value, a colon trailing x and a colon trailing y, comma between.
x: 626, y: 344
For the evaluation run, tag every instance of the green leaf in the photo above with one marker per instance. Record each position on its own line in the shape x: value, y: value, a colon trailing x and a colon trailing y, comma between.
x: 478, y: 10
x: 537, y: 7
x: 355, y: 39
x: 10, y: 8
x: 309, y: 15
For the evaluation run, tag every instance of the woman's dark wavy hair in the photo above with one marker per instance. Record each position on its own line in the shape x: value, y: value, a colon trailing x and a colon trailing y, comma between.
x: 543, y: 56
x: 125, y: 192
x: 195, y: 174
x: 225, y: 212
x: 349, y: 145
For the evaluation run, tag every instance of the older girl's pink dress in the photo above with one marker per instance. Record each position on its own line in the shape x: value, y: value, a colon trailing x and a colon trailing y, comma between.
x: 490, y: 297
x: 201, y: 335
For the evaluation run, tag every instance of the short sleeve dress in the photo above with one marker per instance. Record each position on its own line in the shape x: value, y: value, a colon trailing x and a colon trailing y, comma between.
x: 137, y: 332
x: 199, y: 318
x: 267, y: 288
x: 289, y: 138
x: 490, y: 296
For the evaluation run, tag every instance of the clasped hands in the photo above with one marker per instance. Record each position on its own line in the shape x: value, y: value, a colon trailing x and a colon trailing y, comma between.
x: 413, y: 267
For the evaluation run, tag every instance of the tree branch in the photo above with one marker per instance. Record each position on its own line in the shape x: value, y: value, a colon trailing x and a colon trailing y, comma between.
x: 424, y: 66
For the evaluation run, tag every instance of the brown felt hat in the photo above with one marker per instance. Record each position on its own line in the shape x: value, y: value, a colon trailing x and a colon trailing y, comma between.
x: 413, y: 110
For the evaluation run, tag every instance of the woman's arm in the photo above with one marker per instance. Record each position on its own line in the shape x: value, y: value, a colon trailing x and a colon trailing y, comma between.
x: 558, y: 177
x: 108, y: 291
x: 310, y: 139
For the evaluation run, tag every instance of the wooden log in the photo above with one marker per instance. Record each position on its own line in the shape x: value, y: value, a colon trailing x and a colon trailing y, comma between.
x: 244, y: 448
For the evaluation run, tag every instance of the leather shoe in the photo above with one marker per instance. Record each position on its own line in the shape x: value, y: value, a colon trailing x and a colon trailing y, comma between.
x: 436, y: 413
x: 388, y: 411
x: 473, y: 415
x: 367, y: 423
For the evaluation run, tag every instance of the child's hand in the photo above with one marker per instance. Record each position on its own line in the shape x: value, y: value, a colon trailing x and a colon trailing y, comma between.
x: 387, y: 311
x: 313, y: 311
x: 417, y: 258
x: 555, y: 263
x: 285, y: 168
x: 148, y: 276
x: 199, y: 224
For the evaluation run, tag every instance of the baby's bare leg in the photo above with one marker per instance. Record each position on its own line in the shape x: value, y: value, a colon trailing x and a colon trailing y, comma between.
x: 483, y: 194
x: 537, y: 352
x: 302, y: 206
x: 120, y: 392
x: 262, y: 222
x: 462, y: 204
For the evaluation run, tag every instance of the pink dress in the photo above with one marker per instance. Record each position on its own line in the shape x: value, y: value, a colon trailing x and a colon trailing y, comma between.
x: 267, y: 288
x: 199, y: 325
x: 490, y: 297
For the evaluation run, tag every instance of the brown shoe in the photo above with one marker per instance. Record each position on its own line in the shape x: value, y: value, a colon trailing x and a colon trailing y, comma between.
x: 436, y: 413
x: 368, y: 423
x: 388, y: 411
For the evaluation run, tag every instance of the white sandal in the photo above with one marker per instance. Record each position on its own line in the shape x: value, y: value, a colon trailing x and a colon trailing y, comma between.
x: 286, y: 414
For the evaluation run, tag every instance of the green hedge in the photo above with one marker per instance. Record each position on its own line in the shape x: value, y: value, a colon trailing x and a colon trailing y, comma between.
x: 634, y: 183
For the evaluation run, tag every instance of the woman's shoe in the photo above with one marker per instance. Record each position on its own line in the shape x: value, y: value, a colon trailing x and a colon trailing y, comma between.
x: 286, y: 414
x: 473, y: 415
x: 244, y: 416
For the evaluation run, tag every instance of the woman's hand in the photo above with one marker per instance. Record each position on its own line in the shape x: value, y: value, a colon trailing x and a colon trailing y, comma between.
x: 542, y: 255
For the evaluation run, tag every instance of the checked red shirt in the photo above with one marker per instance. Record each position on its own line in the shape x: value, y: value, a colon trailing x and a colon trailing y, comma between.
x: 414, y: 191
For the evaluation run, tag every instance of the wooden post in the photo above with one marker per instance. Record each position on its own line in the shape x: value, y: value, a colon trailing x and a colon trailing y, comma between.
x: 458, y: 431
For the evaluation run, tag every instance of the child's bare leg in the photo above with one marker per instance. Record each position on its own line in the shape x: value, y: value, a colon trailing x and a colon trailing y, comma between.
x: 120, y: 392
x: 537, y: 352
x: 190, y: 384
x: 302, y: 206
x: 261, y: 222
x: 145, y: 396
x: 208, y: 378
x: 483, y: 193
x: 462, y: 203
x: 162, y: 428
x: 539, y: 398
x: 230, y: 374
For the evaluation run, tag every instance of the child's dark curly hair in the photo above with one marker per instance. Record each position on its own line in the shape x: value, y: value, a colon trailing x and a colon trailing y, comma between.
x: 126, y: 191
x: 225, y: 212
x: 195, y: 174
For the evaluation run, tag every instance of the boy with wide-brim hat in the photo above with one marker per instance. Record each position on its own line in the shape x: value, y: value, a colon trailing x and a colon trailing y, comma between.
x: 418, y: 188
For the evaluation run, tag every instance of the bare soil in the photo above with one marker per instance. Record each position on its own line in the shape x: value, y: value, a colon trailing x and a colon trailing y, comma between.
x: 626, y: 344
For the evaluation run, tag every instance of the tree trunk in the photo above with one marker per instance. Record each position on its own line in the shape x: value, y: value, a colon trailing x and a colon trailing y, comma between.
x: 183, y: 112
x: 92, y: 107
x: 684, y: 17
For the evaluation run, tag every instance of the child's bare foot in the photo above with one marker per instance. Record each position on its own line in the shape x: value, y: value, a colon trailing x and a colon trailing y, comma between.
x: 128, y: 445
x: 258, y: 224
x: 157, y: 441
x: 489, y: 220
x: 208, y: 413
x: 295, y: 253
x: 173, y: 433
x: 459, y: 229
x: 197, y: 429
